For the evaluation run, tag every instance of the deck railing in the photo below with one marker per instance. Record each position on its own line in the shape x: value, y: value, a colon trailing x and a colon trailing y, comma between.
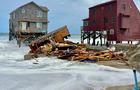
x: 33, y: 31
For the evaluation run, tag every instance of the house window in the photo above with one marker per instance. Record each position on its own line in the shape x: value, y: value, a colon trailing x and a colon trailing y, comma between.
x: 130, y: 6
x: 28, y: 24
x: 94, y: 11
x: 106, y: 20
x: 39, y: 13
x: 110, y: 8
x: 39, y: 25
x: 23, y: 25
x: 85, y: 23
x: 35, y: 12
x: 113, y: 19
x: 22, y: 10
x: 14, y: 15
x: 123, y: 7
x: 11, y: 16
x: 111, y: 31
x: 94, y: 22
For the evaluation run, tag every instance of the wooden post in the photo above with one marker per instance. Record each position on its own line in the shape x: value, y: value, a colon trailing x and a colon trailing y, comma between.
x: 112, y: 42
x: 93, y: 37
x: 10, y: 36
x: 118, y: 41
x: 131, y: 42
x: 88, y: 39
x: 101, y: 38
x: 128, y: 42
x: 97, y: 43
x: 104, y: 40
x: 107, y: 44
x: 82, y: 35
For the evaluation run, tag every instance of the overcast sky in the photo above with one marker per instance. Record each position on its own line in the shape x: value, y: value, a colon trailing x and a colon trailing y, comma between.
x: 62, y: 12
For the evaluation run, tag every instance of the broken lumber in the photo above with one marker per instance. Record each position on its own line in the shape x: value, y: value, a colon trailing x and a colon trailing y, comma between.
x: 53, y: 44
x: 56, y: 36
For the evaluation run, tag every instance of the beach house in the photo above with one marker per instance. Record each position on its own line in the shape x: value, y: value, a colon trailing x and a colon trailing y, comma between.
x: 112, y: 21
x: 29, y: 20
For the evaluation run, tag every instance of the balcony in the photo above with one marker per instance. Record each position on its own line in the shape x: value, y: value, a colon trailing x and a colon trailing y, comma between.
x: 32, y: 30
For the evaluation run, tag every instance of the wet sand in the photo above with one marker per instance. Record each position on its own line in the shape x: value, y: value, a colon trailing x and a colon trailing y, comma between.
x: 127, y: 87
x: 121, y: 65
x: 115, y: 63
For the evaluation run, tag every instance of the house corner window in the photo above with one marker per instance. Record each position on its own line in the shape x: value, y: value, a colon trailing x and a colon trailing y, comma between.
x: 110, y: 7
x: 39, y: 13
x: 14, y: 15
x: 113, y: 19
x: 94, y: 22
x: 85, y: 23
x: 106, y: 20
x: 123, y: 7
x: 94, y: 11
x: 22, y: 10
x: 112, y: 32
x: 39, y: 25
x: 10, y: 16
x: 130, y: 6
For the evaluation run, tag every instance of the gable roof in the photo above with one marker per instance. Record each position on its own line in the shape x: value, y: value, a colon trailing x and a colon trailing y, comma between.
x: 43, y: 8
x: 101, y: 4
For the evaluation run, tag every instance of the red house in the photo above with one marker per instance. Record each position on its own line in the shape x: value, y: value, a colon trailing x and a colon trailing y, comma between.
x: 116, y: 20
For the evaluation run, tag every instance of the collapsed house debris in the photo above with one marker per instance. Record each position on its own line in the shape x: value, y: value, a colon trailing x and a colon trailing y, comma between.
x: 53, y: 44
x: 56, y: 36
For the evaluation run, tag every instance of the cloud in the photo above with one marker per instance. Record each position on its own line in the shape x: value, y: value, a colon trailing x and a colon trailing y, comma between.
x: 95, y: 2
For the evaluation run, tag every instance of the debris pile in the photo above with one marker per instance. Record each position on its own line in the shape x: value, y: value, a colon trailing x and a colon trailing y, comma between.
x: 53, y: 44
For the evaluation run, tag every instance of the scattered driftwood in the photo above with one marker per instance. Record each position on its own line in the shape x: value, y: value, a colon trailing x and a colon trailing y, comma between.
x: 53, y: 44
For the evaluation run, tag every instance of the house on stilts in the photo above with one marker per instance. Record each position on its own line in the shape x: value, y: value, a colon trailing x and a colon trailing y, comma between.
x: 113, y: 21
x: 28, y: 22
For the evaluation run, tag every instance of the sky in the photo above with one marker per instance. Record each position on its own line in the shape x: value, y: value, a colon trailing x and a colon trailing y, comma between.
x: 61, y: 12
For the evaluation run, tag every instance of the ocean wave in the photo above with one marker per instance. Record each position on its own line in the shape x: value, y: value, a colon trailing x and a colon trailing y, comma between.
x: 54, y: 74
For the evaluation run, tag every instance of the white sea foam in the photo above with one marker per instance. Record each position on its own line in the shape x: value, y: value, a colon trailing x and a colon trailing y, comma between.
x: 54, y: 74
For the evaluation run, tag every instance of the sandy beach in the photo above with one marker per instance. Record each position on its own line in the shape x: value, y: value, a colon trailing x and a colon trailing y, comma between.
x: 121, y: 65
x: 127, y: 87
